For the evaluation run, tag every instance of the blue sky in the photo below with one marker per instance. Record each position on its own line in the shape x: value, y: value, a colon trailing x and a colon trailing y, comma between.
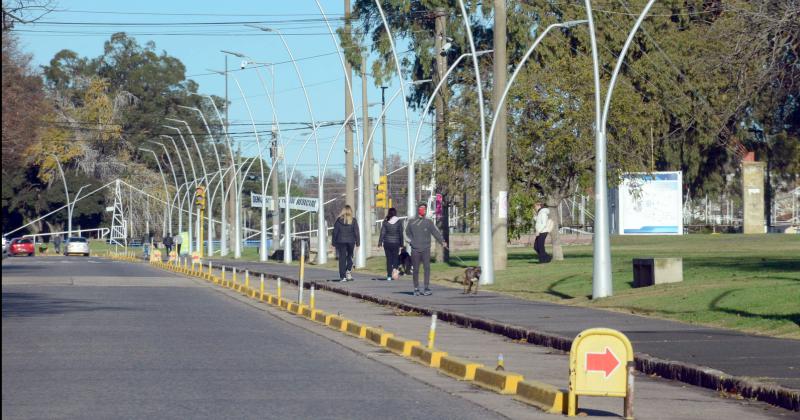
x: 174, y: 28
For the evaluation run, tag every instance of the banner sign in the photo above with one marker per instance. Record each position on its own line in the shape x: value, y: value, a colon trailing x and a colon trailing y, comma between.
x: 295, y: 203
x: 651, y: 204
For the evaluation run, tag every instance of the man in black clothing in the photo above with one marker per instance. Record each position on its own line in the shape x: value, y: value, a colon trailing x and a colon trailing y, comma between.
x: 419, y: 232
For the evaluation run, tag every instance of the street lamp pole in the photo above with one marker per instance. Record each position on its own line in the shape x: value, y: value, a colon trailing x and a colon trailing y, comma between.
x: 66, y: 192
x: 601, y: 275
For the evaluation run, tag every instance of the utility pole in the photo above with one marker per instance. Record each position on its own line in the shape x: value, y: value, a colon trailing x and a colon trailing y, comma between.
x: 500, y: 142
x: 349, y: 174
x: 385, y: 167
x: 369, y: 190
x: 232, y: 185
x: 440, y: 26
x: 276, y: 210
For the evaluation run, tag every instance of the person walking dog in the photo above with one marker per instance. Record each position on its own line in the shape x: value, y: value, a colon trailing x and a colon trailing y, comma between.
x: 345, y: 239
x: 391, y: 239
x: 542, y: 227
x: 419, y: 232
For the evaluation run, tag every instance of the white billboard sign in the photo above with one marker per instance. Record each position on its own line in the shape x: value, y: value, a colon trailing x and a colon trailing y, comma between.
x: 651, y: 204
x: 296, y: 203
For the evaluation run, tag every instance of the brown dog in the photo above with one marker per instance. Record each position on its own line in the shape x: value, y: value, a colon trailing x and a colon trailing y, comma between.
x: 472, y: 276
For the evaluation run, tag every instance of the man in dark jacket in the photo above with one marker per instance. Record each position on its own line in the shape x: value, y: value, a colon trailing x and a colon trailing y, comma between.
x: 419, y: 232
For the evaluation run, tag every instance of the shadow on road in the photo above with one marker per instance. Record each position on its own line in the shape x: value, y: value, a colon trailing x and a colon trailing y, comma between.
x: 19, y: 304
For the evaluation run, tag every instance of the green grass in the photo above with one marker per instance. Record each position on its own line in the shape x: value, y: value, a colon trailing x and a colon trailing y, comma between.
x: 748, y: 283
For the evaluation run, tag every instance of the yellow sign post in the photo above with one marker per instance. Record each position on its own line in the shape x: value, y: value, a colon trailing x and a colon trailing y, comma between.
x: 601, y: 365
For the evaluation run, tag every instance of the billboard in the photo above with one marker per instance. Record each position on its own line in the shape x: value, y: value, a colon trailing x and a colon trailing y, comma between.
x: 650, y: 204
x: 296, y: 203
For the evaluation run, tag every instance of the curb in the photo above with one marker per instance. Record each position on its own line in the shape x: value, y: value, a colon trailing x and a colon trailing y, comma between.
x: 461, y: 369
x: 542, y: 395
x: 500, y: 382
x: 685, y: 372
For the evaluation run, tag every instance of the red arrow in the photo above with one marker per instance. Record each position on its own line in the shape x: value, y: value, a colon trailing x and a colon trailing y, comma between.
x: 602, y: 362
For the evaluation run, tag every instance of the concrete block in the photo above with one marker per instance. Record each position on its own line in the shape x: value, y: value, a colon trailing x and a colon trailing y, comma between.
x: 428, y: 356
x: 460, y: 369
x: 498, y: 381
x: 652, y: 271
x: 320, y: 317
x: 753, y: 186
x: 542, y: 395
x: 378, y: 336
x: 283, y: 303
x: 401, y: 346
x: 338, y: 323
x: 357, y: 330
x: 292, y: 307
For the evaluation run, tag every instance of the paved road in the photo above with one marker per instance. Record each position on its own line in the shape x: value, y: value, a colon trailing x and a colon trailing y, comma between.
x: 87, y: 338
x: 769, y: 359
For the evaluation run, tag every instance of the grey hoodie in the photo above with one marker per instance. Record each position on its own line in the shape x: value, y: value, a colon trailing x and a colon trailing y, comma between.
x: 419, y: 231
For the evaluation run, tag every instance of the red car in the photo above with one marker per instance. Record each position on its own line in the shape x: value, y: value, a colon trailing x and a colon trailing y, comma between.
x: 21, y: 246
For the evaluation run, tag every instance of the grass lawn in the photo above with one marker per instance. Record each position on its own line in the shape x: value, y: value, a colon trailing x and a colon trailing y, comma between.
x: 749, y: 283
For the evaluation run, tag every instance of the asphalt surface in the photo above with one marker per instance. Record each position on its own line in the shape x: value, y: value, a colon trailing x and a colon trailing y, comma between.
x: 767, y: 359
x: 90, y: 338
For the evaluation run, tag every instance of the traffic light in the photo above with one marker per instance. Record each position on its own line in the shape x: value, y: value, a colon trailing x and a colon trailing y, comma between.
x: 381, y: 199
x: 200, y: 198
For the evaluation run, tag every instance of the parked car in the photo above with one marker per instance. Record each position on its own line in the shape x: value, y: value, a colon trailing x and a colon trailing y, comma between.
x: 76, y: 245
x: 5, y: 245
x: 21, y: 246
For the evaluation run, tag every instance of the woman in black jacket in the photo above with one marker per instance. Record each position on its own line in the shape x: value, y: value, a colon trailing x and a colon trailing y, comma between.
x: 391, y: 239
x: 345, y: 239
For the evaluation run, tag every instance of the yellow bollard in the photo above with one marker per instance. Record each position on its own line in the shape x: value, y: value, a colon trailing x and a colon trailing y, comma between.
x: 261, y: 288
x: 501, y: 364
x: 233, y: 277
x: 311, y: 298
x: 223, y: 274
x: 247, y: 279
x: 432, y: 332
x: 279, y: 288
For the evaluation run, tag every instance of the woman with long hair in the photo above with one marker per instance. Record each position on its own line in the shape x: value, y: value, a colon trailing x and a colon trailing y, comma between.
x: 391, y: 238
x: 345, y: 239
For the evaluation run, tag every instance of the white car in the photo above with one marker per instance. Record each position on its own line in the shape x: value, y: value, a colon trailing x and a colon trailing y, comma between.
x: 76, y: 245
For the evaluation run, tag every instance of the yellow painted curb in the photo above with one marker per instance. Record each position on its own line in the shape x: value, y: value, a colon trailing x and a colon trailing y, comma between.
x: 267, y: 298
x: 310, y: 313
x: 338, y: 323
x: 542, y: 395
x: 356, y: 329
x: 273, y: 300
x: 428, y: 357
x: 458, y: 368
x: 401, y: 345
x: 300, y: 309
x: 283, y: 303
x: 320, y: 317
x: 501, y: 382
x: 378, y: 336
x: 292, y: 307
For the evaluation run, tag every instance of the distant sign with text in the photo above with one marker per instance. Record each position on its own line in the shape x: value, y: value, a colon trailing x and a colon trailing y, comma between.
x: 651, y: 204
x: 296, y: 203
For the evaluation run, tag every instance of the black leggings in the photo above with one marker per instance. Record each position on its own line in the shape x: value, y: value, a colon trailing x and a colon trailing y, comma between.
x: 392, y: 252
x: 345, y: 254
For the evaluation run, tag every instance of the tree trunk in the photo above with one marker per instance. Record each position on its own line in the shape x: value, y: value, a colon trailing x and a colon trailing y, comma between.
x: 555, y: 236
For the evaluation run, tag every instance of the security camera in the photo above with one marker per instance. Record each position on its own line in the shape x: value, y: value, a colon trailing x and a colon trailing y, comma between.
x: 244, y: 64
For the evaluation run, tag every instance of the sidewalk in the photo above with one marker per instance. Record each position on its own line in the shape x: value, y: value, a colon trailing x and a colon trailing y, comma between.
x: 763, y: 368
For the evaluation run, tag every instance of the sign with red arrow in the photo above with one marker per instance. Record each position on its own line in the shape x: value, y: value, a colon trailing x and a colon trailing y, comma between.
x: 605, y: 362
x: 600, y: 365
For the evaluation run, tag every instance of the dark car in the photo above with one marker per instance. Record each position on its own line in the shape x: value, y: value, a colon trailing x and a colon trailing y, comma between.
x: 21, y: 246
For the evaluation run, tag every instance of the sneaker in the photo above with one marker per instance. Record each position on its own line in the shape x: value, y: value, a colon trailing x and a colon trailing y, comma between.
x: 427, y: 292
x: 342, y: 280
x: 348, y: 275
x: 416, y: 292
x: 389, y: 278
